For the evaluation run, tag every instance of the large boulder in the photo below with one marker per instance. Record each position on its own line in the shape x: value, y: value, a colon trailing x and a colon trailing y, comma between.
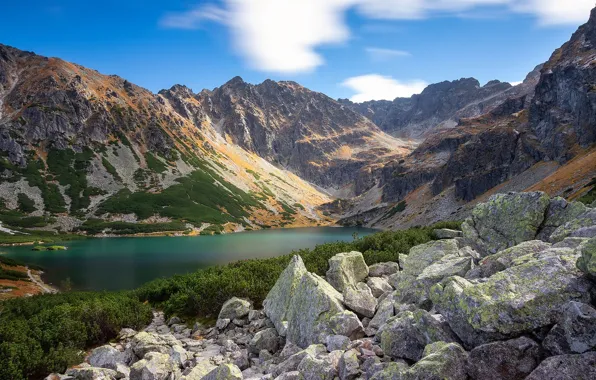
x: 522, y: 298
x: 383, y: 269
x: 360, y: 300
x: 349, y: 365
x: 154, y: 366
x: 407, y: 334
x: 587, y: 261
x: 199, y: 371
x: 309, y: 315
x: 346, y: 269
x: 293, y: 361
x: 582, y: 226
x: 278, y: 300
x: 504, y: 360
x: 575, y: 332
x: 224, y: 372
x: 559, y: 212
x: 317, y: 368
x: 106, y: 357
x: 378, y: 286
x: 385, y: 310
x: 505, y: 221
x: 234, y: 308
x: 421, y: 256
x: 576, y: 367
x: 264, y: 340
x: 144, y: 342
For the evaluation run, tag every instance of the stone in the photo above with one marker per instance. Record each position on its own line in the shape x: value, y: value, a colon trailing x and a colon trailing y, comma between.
x: 587, y: 261
x: 222, y: 323
x: 105, y: 357
x: 522, y: 298
x: 579, y: 366
x: 378, y: 286
x: 200, y: 370
x: 224, y: 372
x: 346, y: 269
x: 154, y: 366
x: 575, y: 332
x: 406, y: 335
x: 122, y: 371
x: 92, y: 373
x: 505, y: 360
x: 559, y: 212
x: 389, y: 371
x: 174, y: 321
x: 293, y: 375
x: 313, y: 368
x: 582, y: 226
x: 178, y: 355
x: 126, y: 333
x: 234, y: 308
x: 505, y: 220
x: 267, y: 339
x: 384, y: 312
x: 383, y: 269
x: 360, y: 300
x: 349, y: 365
x: 144, y: 342
x: 292, y: 362
x: 421, y: 256
x: 311, y: 308
x: 446, y: 233
x: 337, y: 342
x: 278, y: 300
x: 441, y: 361
x: 345, y: 323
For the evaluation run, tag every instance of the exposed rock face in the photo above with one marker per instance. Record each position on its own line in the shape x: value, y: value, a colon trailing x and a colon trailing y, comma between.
x: 587, y: 261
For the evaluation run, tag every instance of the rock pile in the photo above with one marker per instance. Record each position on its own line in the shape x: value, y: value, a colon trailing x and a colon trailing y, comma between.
x: 512, y: 298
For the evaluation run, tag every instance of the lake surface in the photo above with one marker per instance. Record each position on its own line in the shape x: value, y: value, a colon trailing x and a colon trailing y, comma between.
x: 126, y: 263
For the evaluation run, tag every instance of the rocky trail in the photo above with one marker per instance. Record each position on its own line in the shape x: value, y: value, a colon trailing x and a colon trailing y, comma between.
x: 510, y: 297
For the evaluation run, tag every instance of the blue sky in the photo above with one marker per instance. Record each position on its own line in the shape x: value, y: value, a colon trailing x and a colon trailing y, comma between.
x: 361, y: 49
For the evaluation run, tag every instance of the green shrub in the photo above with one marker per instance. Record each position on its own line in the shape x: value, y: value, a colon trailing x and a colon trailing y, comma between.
x: 26, y: 204
x: 110, y: 169
x: 155, y: 164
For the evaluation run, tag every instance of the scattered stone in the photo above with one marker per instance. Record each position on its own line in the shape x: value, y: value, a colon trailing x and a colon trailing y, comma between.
x: 349, y: 365
x: 144, y: 342
x: 378, y: 286
x: 154, y: 366
x: 581, y: 366
x: 265, y: 340
x: 224, y: 372
x: 105, y: 357
x: 440, y: 361
x: 346, y: 269
x: 313, y: 368
x: 360, y: 300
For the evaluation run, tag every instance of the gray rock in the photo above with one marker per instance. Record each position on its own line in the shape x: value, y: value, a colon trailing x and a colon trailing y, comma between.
x: 378, y: 286
x: 587, y: 261
x: 292, y: 362
x: 92, y: 373
x: 421, y: 256
x: 105, y: 357
x: 384, y: 312
x: 313, y: 368
x: 360, y: 300
x: 178, y: 355
x: 277, y: 303
x: 234, y: 308
x: 222, y: 323
x: 224, y: 372
x: 199, y: 371
x: 349, y: 365
x: 505, y: 220
x: 567, y: 367
x: 337, y: 342
x: 582, y: 226
x: 144, y: 342
x: 154, y: 366
x: 346, y: 269
x: 293, y: 375
x: 265, y: 340
x: 441, y: 361
x: 575, y: 332
x: 507, y: 360
x: 383, y: 269
x: 174, y: 321
x: 559, y: 212
x: 445, y: 233
x: 345, y: 323
x: 122, y: 371
x: 407, y: 334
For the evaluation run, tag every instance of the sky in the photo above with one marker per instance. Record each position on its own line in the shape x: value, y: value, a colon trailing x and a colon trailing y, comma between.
x: 357, y: 49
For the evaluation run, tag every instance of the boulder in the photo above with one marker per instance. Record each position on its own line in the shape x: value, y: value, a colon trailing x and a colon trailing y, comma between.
x: 580, y: 366
x: 360, y: 300
x: 558, y: 213
x: 522, y: 298
x: 317, y: 368
x: 91, y: 373
x: 309, y: 315
x: 388, y: 371
x: 278, y: 300
x: 293, y: 361
x: 505, y: 221
x: 587, y: 261
x: 105, y: 357
x: 378, y: 286
x: 154, y: 366
x: 582, y: 226
x: 337, y: 342
x: 345, y: 323
x: 441, y: 361
x: 385, y: 311
x: 224, y: 372
x: 407, y: 334
x: 446, y: 233
x: 346, y: 269
x: 505, y: 360
x: 199, y: 371
x: 178, y: 355
x: 144, y: 342
x: 267, y: 339
x: 575, y: 332
x: 421, y: 256
x: 349, y: 365
x: 234, y: 308
x: 383, y: 269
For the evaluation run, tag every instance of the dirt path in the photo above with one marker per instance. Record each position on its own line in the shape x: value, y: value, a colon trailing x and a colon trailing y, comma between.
x: 41, y: 285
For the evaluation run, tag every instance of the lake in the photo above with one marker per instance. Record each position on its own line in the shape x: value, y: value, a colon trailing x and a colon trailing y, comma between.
x: 126, y: 263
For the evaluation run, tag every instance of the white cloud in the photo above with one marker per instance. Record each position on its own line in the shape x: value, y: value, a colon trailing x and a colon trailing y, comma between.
x: 516, y: 83
x: 381, y: 54
x: 283, y: 35
x: 379, y: 87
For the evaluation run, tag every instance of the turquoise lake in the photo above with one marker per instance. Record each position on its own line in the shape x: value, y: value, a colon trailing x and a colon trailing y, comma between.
x: 126, y: 263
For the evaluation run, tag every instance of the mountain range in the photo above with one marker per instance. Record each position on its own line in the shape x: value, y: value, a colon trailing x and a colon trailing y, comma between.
x: 93, y: 153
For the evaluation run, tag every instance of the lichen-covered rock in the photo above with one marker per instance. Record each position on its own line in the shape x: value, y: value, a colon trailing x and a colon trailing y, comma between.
x: 105, y: 357
x: 383, y: 269
x: 337, y: 342
x: 378, y: 286
x: 559, y: 212
x: 407, y: 334
x: 582, y: 226
x: 144, y: 342
x: 587, y: 261
x: 293, y: 361
x: 278, y: 300
x: 441, y: 361
x: 421, y: 256
x: 575, y: 332
x: 200, y: 370
x: 317, y: 368
x: 264, y: 340
x: 346, y: 269
x: 178, y: 355
x: 505, y: 221
x: 385, y: 311
x: 349, y: 365
x: 345, y: 323
x: 314, y: 303
x: 360, y: 300
x: 504, y: 360
x: 576, y: 367
x: 154, y: 366
x: 224, y: 372
x: 234, y: 308
x: 522, y: 298
x: 91, y: 373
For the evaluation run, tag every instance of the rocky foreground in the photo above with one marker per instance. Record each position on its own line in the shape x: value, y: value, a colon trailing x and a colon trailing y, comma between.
x: 512, y: 297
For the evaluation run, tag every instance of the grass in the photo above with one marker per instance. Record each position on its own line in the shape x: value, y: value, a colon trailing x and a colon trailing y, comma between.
x: 97, y: 226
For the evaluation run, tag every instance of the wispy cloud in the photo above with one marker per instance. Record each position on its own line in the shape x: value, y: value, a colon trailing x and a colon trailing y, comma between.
x: 379, y: 87
x: 284, y: 36
x: 382, y: 54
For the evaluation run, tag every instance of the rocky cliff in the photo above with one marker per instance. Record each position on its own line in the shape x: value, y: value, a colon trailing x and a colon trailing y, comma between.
x: 509, y: 297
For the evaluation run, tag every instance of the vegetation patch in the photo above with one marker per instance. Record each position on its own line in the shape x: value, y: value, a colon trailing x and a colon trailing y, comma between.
x: 97, y: 226
x: 590, y: 196
x: 110, y: 169
x: 154, y: 164
x: 70, y: 169
x: 25, y: 204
